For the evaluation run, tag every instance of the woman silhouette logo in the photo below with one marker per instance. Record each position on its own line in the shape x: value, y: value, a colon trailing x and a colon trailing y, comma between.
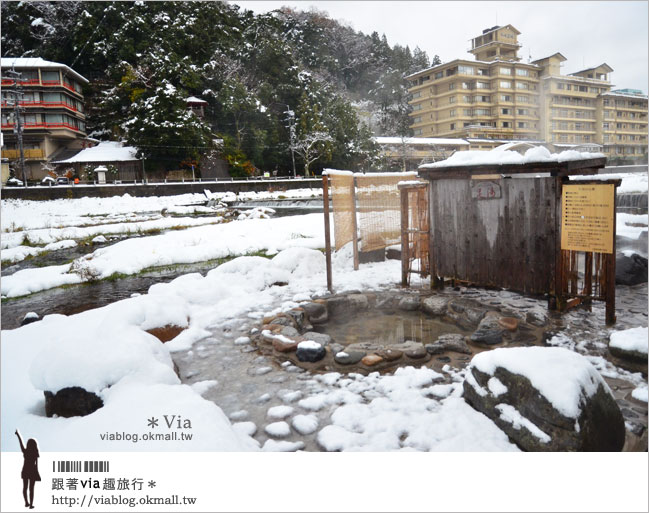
x: 29, y: 473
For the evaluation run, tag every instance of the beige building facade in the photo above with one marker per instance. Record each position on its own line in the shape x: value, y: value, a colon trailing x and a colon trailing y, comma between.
x: 497, y: 98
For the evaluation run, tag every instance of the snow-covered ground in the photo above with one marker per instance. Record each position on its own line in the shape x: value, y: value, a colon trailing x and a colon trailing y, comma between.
x: 108, y: 351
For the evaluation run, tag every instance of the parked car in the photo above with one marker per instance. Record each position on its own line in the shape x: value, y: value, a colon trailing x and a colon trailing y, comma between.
x: 62, y: 180
x: 48, y: 180
x: 14, y: 182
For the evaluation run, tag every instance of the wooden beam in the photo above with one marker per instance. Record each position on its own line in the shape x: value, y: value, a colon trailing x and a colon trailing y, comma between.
x: 405, y: 238
x: 572, y: 167
x: 610, y: 270
x: 559, y: 302
x: 354, y: 224
x: 325, y: 199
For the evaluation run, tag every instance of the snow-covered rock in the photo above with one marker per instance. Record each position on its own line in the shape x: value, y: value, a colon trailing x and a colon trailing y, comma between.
x: 545, y: 399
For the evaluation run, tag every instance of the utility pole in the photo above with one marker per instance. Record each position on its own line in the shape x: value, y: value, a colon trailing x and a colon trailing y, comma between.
x: 291, y: 128
x: 18, y: 121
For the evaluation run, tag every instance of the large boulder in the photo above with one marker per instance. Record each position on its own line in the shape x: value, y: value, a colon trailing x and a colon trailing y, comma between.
x: 631, y: 346
x: 630, y: 270
x: 545, y: 399
x: 71, y: 402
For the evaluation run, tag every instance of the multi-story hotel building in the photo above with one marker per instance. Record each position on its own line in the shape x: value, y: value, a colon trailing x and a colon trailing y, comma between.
x: 497, y: 98
x: 623, y: 123
x: 51, y: 111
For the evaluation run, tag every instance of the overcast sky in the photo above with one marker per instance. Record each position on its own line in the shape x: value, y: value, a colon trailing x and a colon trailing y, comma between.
x: 586, y: 33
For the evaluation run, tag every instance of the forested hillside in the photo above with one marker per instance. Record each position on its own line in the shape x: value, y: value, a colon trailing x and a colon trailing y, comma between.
x: 260, y: 74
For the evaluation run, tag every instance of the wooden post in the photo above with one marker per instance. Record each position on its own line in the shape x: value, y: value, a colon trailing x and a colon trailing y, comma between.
x: 354, y: 225
x: 405, y: 253
x: 610, y: 269
x: 325, y: 198
x: 559, y: 302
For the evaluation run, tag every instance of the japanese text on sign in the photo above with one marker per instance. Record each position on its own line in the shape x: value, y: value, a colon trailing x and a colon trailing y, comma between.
x: 587, y: 217
x: 485, y: 190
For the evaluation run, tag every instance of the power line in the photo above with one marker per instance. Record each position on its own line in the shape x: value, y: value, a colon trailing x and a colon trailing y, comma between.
x: 88, y: 40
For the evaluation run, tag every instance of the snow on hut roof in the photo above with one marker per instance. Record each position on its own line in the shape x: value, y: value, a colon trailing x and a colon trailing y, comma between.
x: 421, y: 141
x: 193, y: 99
x: 109, y: 151
x: 502, y: 157
x: 38, y: 62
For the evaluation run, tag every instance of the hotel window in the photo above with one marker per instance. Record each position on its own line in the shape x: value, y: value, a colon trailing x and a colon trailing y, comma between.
x: 451, y: 86
x: 466, y: 85
x: 523, y: 112
x: 417, y: 119
x: 465, y: 70
x: 452, y: 113
x: 417, y: 131
x: 483, y: 72
x: 482, y: 85
x: 485, y: 99
x: 505, y: 112
x: 505, y: 71
x: 416, y: 95
x: 452, y: 125
x: 594, y: 90
x: 568, y: 87
x: 523, y: 99
x: 466, y: 99
x: 522, y: 85
x: 439, y: 74
x: 482, y: 112
x: 507, y: 124
x: 505, y: 85
x: 583, y: 89
x: 560, y: 85
x: 605, y: 126
x: 451, y: 99
x: 50, y: 76
x: 467, y: 112
x: 416, y: 107
x: 605, y: 102
x: 522, y: 124
x: 522, y: 72
x: 505, y: 98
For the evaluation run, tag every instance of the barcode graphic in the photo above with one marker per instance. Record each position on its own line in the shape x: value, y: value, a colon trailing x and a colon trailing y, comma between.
x: 79, y: 466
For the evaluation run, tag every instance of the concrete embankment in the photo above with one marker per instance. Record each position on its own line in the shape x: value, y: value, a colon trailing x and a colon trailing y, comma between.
x: 157, y: 189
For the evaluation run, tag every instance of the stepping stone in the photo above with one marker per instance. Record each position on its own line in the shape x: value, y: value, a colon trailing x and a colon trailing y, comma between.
x: 417, y: 353
x: 321, y: 338
x: 348, y: 357
x: 390, y: 354
x: 371, y: 359
x: 509, y: 323
x: 284, y: 346
x: 309, y: 351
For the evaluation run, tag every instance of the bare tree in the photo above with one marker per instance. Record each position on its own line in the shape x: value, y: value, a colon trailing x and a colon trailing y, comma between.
x: 311, y: 146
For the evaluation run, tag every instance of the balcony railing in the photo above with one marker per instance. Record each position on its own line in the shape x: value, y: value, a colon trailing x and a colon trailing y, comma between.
x: 29, y: 81
x: 27, y: 103
x: 9, y: 126
x: 36, y: 153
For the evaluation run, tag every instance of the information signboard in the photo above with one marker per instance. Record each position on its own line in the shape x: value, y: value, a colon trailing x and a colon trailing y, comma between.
x: 588, y: 217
